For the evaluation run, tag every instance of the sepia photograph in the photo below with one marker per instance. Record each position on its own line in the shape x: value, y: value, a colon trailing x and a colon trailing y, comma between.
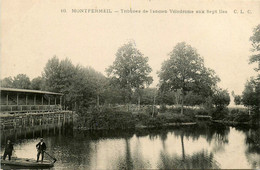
x: 112, y: 84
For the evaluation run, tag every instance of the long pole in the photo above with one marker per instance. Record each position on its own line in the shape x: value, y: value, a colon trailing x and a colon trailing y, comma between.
x: 51, y: 157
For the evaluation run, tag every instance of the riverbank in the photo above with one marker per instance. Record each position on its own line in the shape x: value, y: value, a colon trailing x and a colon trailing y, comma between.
x: 139, y: 126
x: 114, y: 118
x: 234, y: 123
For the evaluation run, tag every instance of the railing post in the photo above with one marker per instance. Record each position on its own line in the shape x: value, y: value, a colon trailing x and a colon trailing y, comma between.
x: 59, y: 119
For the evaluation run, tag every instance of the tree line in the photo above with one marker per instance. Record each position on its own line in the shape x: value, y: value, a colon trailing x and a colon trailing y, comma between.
x: 183, y: 80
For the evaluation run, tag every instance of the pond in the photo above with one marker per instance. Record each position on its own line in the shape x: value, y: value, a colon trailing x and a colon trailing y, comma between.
x: 197, y: 146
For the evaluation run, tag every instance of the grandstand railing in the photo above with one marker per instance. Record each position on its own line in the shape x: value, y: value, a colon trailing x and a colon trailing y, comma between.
x: 28, y: 108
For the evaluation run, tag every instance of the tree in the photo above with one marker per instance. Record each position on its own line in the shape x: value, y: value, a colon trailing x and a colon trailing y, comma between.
x: 221, y: 99
x: 81, y: 86
x: 113, y: 94
x: 51, y: 74
x: 130, y: 70
x: 7, y: 82
x: 60, y: 76
x: 149, y: 96
x: 185, y: 70
x: 255, y: 58
x: 255, y: 39
x: 192, y: 99
x: 237, y: 99
x: 249, y: 95
x: 98, y: 83
x: 37, y: 83
x: 21, y: 81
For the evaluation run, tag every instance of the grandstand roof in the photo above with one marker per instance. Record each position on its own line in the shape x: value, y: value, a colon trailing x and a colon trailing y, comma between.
x: 28, y: 91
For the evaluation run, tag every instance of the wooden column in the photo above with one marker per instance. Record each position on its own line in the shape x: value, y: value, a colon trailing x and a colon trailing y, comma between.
x: 49, y: 101
x: 17, y: 99
x: 55, y: 100
x: 26, y: 100
x: 34, y: 99
x: 7, y: 99
x: 60, y: 102
x: 42, y: 100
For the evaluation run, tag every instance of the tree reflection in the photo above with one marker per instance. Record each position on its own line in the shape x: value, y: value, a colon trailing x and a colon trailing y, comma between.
x: 128, y: 158
x: 217, y: 134
x: 252, y: 142
x: 198, y: 160
x: 127, y: 161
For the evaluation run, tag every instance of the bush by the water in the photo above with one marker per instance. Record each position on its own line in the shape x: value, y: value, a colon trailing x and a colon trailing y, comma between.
x: 238, y: 115
x: 220, y: 114
x: 178, y: 118
x: 107, y: 119
x: 155, y: 121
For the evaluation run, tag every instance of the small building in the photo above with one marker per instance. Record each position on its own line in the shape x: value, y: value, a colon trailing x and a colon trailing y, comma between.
x: 24, y: 100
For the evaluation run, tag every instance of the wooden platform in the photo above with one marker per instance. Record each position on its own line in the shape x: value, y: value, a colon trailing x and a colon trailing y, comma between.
x: 26, y: 163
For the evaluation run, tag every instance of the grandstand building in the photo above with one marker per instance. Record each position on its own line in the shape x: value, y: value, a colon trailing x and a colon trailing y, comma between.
x: 24, y: 100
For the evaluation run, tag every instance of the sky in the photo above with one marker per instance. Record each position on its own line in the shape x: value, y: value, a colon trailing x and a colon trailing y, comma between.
x: 32, y: 32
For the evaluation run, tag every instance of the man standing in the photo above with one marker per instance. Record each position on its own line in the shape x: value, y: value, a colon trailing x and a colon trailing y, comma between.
x: 8, y: 150
x: 41, y: 147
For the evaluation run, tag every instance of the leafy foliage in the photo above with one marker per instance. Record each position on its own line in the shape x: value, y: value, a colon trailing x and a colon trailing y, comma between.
x: 81, y: 86
x: 21, y: 81
x: 237, y: 99
x: 106, y: 119
x: 148, y: 96
x: 249, y: 96
x: 255, y: 39
x: 7, y: 82
x: 130, y: 70
x: 221, y: 99
x: 185, y: 70
x: 37, y: 83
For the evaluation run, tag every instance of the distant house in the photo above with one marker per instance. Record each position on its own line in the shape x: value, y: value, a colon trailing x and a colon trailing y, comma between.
x: 24, y: 100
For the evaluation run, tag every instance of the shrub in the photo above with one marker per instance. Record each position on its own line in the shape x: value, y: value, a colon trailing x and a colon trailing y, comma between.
x: 220, y: 114
x: 142, y: 117
x: 234, y: 111
x: 175, y: 110
x: 107, y: 119
x: 242, y: 117
x: 157, y: 121
x: 149, y: 110
x: 163, y: 108
x: 202, y: 112
x: 178, y: 118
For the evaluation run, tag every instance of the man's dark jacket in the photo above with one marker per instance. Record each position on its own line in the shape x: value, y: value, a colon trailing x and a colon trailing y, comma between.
x: 9, y: 148
x: 40, y: 146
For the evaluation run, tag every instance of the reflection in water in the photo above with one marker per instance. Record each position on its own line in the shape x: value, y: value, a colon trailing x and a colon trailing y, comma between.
x: 199, y: 160
x: 201, y: 147
x: 127, y: 162
x: 252, y: 141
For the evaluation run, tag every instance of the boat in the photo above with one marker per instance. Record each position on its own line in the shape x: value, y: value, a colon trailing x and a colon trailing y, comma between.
x: 26, y: 163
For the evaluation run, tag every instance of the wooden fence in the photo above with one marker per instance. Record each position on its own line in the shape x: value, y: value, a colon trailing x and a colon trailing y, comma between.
x: 21, y: 120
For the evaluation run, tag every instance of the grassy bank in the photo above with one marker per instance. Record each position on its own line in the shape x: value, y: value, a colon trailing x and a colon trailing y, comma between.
x: 114, y: 118
x: 109, y: 118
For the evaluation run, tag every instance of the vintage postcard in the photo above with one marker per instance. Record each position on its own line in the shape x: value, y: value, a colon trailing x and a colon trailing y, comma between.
x: 129, y: 84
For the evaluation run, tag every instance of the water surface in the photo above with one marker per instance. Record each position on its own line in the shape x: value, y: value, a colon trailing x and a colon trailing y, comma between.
x: 204, y: 146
